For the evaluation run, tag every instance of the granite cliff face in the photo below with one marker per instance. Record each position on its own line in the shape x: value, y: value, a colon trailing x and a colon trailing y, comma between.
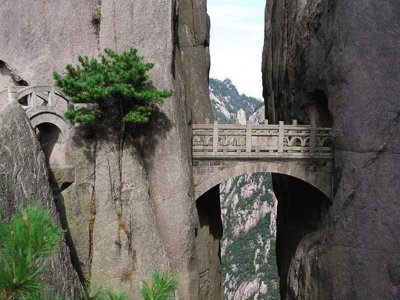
x: 24, y: 179
x: 336, y: 63
x: 129, y: 205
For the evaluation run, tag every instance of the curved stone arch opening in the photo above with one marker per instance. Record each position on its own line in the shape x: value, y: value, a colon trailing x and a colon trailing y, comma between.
x: 308, y: 185
x: 318, y: 179
x: 51, y: 128
x: 44, y: 114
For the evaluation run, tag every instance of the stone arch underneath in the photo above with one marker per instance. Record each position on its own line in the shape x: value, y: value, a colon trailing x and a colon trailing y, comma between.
x: 52, y: 129
x: 316, y: 176
x: 44, y: 114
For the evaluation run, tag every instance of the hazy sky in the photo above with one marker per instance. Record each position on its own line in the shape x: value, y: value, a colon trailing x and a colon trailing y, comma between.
x: 237, y: 37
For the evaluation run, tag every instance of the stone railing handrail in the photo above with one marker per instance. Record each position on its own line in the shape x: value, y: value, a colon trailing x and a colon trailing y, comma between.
x: 261, y: 140
x: 39, y: 95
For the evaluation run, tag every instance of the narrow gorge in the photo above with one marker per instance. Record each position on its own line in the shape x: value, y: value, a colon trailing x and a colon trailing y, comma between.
x: 128, y: 201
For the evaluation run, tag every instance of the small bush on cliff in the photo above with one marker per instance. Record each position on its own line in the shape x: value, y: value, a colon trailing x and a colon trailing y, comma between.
x: 115, y: 87
x: 25, y: 245
x: 162, y: 286
x: 96, y: 17
x: 102, y: 294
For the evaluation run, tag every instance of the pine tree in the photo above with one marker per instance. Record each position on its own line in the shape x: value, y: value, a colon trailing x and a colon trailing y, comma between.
x: 117, y: 84
x: 25, y: 245
x: 162, y: 286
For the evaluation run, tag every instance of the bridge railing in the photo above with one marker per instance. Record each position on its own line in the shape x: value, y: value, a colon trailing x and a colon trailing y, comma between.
x: 39, y: 96
x: 261, y: 140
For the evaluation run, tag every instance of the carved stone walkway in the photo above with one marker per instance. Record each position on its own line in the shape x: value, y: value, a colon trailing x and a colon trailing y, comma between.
x: 222, y: 151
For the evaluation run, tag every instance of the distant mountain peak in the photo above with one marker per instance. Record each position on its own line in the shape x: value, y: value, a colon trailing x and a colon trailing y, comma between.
x: 226, y: 101
x: 227, y: 81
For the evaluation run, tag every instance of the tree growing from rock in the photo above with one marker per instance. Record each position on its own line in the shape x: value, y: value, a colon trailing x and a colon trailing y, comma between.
x: 115, y: 88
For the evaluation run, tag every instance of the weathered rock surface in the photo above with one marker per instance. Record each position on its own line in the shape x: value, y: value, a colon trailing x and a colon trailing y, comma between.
x: 151, y: 221
x: 337, y: 62
x: 24, y: 180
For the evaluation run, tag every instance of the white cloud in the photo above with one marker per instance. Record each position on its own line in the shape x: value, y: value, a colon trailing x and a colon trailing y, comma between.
x: 237, y: 37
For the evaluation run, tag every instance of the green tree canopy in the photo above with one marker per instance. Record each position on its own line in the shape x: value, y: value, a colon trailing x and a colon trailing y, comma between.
x: 115, y: 86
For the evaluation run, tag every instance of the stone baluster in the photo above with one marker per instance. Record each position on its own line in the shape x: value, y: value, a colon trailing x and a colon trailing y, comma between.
x: 32, y: 99
x: 12, y: 94
x: 312, y: 136
x: 50, y: 99
x: 248, y: 137
x: 280, y: 138
x: 215, y: 137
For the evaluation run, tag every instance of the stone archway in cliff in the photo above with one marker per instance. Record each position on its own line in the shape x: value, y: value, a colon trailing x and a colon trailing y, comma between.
x: 45, y: 114
x: 52, y: 130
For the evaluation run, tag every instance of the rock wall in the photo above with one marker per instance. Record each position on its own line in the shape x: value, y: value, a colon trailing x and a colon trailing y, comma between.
x: 24, y: 180
x: 336, y: 62
x: 130, y: 207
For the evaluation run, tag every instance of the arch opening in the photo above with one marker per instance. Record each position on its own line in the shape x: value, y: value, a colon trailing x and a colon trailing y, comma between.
x: 299, y: 211
x: 315, y: 173
x: 52, y: 140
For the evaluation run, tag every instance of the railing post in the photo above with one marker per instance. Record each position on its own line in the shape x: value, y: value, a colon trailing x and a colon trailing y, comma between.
x: 50, y: 98
x: 12, y: 94
x: 32, y: 98
x: 280, y: 138
x: 312, y: 136
x: 215, y: 137
x: 248, y: 136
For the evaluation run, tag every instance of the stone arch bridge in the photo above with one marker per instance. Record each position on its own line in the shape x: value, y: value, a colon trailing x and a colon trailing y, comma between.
x: 223, y: 151
x: 42, y: 104
x: 45, y: 107
x: 219, y: 151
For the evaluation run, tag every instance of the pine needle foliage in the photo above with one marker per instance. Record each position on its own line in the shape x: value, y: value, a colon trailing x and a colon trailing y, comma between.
x: 102, y: 294
x: 25, y: 246
x: 162, y: 286
x: 117, y: 84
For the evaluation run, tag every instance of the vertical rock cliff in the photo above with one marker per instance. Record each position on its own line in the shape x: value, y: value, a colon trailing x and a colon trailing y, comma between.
x: 129, y: 207
x: 24, y: 180
x: 336, y: 62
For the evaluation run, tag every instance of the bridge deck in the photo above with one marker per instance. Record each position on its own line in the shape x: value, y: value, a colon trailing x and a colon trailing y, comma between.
x: 265, y: 141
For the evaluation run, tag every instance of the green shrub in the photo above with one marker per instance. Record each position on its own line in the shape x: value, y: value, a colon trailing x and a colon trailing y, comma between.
x: 102, y: 294
x: 162, y: 286
x: 115, y: 87
x: 25, y: 245
x: 96, y: 17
